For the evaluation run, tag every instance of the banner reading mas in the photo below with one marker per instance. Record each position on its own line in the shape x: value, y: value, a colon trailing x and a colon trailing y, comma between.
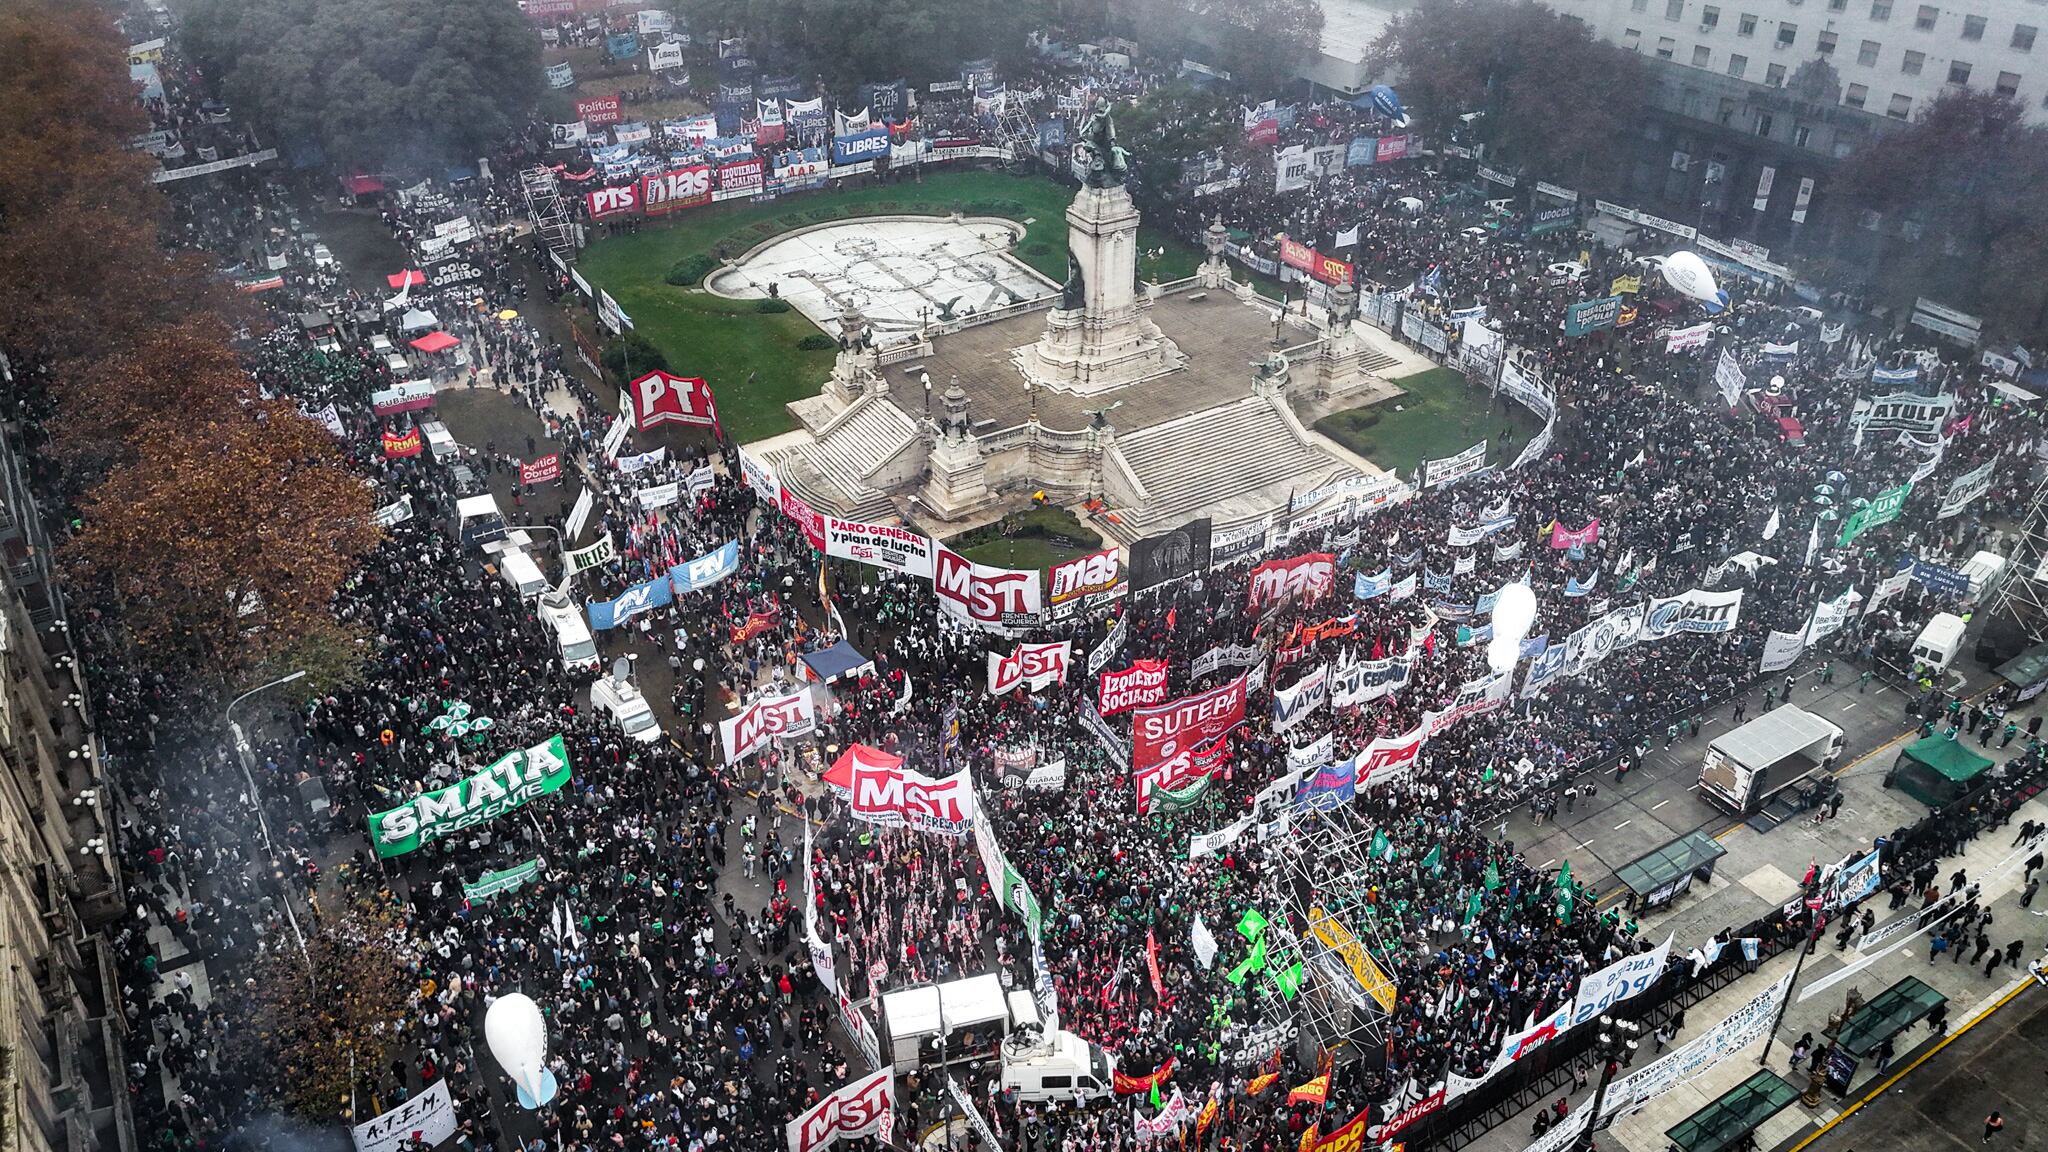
x: 508, y: 783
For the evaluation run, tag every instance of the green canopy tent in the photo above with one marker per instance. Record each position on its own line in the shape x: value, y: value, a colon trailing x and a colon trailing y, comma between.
x: 1936, y: 771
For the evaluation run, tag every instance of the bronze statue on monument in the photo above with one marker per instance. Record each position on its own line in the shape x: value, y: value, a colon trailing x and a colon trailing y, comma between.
x: 1107, y: 163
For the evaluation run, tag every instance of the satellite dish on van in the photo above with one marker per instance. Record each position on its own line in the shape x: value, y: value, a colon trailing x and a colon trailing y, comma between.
x: 622, y: 669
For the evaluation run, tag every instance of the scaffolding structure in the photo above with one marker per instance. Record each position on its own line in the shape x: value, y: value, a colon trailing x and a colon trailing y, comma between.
x: 550, y: 216
x: 1347, y: 992
x: 1017, y: 133
x: 2023, y: 597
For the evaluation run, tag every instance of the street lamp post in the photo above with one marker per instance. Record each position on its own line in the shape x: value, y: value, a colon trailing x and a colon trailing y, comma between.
x: 246, y: 756
x: 1617, y: 1038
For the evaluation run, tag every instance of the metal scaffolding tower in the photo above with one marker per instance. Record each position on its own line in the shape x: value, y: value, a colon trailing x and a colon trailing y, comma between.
x: 1346, y: 993
x: 550, y: 215
x: 2023, y: 597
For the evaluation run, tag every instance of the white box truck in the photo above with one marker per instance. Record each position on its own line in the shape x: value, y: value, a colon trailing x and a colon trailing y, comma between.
x: 1936, y: 646
x: 1746, y: 767
x: 1039, y: 1066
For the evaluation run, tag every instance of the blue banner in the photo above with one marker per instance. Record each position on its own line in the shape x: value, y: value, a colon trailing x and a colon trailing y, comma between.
x: 1331, y: 786
x: 622, y: 44
x: 656, y: 593
x: 1052, y: 134
x: 1366, y: 586
x: 1591, y: 315
x: 1941, y: 581
x: 707, y: 569
x: 780, y: 88
x: 861, y: 146
x: 1361, y: 151
x: 1543, y: 669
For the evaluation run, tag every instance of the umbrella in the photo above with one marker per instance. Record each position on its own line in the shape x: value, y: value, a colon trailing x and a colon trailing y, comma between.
x: 435, y: 342
x: 509, y: 314
x: 416, y: 319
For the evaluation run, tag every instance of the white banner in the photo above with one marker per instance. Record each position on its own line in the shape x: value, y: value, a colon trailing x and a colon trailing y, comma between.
x: 1743, y: 1027
x: 1694, y: 611
x: 1293, y: 705
x: 632, y: 464
x: 1781, y: 651
x: 1452, y: 468
x: 863, y: 1107
x: 1728, y: 375
x: 1202, y: 844
x: 998, y: 599
x: 1680, y: 339
x: 429, y: 1116
x: 659, y: 496
x: 1100, y: 655
x: 879, y: 546
x: 1830, y: 615
x: 1965, y: 488
x: 1625, y: 978
x: 762, y: 721
x: 893, y: 796
x: 1032, y: 665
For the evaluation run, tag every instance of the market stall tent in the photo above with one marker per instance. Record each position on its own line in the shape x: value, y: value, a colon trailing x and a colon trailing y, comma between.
x: 1936, y: 771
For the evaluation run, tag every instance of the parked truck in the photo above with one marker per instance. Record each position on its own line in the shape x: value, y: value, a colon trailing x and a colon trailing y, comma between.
x: 1777, y: 750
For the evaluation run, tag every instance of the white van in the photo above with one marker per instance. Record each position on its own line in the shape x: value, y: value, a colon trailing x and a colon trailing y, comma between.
x: 439, y: 442
x: 570, y: 634
x: 1939, y: 641
x: 1058, y: 1065
x: 396, y: 365
x: 622, y: 701
x: 521, y: 573
x: 1984, y: 570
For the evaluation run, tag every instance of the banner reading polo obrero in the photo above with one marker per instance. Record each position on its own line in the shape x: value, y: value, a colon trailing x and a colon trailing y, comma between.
x: 510, y: 781
x: 1693, y: 611
x: 997, y: 599
x: 879, y: 546
x: 1141, y: 685
x: 764, y: 720
x: 1308, y: 576
x: 863, y: 1107
x: 1164, y: 739
x: 1452, y: 468
x: 884, y: 792
x: 1089, y: 581
x: 1032, y: 665
x: 663, y: 398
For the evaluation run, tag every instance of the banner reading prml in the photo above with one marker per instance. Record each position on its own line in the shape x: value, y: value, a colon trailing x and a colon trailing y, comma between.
x: 509, y: 782
x: 863, y: 1107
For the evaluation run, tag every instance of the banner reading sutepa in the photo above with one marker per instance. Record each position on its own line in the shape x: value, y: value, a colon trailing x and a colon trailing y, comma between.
x: 863, y: 1107
x: 883, y: 792
x: 763, y: 721
x: 661, y: 398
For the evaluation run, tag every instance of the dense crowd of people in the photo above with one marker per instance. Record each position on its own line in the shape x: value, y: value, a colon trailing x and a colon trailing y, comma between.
x: 664, y: 926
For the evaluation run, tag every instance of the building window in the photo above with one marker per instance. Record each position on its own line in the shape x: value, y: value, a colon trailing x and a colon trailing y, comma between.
x: 1702, y: 56
x: 1867, y: 54
x: 1674, y: 9
x: 1746, y: 26
x: 1763, y: 125
x: 1737, y: 64
x: 1727, y: 113
x: 1632, y: 39
x: 1710, y: 18
x: 1800, y: 135
x: 1958, y: 73
x: 1902, y: 106
x: 1775, y: 75
x: 1880, y: 10
x: 2023, y: 37
x: 1665, y: 47
x: 1837, y: 5
x: 1787, y: 33
x: 1638, y: 5
x: 1856, y: 95
x: 1925, y: 20
x: 1911, y: 62
x: 2008, y: 84
x: 1826, y: 44
x: 1973, y: 28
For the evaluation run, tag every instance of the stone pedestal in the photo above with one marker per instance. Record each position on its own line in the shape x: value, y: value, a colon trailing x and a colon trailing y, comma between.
x: 959, y: 480
x: 1107, y: 341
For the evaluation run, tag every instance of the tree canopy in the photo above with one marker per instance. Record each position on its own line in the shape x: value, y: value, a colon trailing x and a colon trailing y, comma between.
x: 1551, y: 98
x: 374, y: 83
x: 853, y: 41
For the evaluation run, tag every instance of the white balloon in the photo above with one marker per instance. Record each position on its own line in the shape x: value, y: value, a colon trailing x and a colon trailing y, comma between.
x: 518, y: 1039
x: 1690, y: 275
x: 1514, y: 613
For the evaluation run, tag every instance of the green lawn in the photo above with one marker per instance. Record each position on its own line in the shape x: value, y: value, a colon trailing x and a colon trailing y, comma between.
x: 1042, y: 537
x: 726, y: 341
x: 1440, y: 416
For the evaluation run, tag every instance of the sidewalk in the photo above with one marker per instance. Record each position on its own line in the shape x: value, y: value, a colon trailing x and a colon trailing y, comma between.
x: 1990, y: 861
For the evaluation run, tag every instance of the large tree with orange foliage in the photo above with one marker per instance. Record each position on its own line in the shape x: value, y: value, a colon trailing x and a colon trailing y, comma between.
x: 104, y: 405
x: 223, y: 542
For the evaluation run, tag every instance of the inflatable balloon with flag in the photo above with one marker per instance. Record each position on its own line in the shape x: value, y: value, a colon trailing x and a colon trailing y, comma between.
x: 518, y: 1039
x: 1689, y: 274
x: 1388, y: 103
x: 1514, y: 613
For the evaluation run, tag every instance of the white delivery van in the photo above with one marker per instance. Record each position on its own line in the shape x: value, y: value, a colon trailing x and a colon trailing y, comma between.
x: 1041, y: 1066
x: 1746, y: 767
x: 1984, y: 570
x: 570, y: 634
x: 519, y: 570
x: 622, y: 701
x: 1939, y: 642
x: 439, y: 442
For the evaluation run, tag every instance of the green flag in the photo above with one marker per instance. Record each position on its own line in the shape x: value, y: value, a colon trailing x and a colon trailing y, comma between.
x: 1434, y: 861
x: 1564, y: 877
x: 510, y: 879
x: 1166, y: 800
x: 1236, y: 975
x: 1156, y: 1101
x: 1381, y: 846
x: 1472, y: 908
x: 1251, y: 925
x: 1289, y: 980
x: 1258, y: 956
x: 1492, y: 878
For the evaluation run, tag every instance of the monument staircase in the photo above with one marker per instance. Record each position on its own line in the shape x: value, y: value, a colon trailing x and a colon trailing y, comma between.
x: 832, y: 471
x: 1252, y: 448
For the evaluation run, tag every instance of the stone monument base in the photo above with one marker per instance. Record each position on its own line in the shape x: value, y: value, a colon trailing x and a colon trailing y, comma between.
x: 1084, y: 355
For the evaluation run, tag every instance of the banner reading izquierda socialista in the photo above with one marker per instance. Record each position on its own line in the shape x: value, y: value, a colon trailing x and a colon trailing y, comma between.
x: 510, y: 781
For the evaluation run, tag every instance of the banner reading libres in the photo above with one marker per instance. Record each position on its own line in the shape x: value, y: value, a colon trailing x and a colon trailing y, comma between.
x: 509, y: 782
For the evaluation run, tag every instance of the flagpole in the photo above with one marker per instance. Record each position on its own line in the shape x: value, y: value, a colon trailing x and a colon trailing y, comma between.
x: 1806, y: 947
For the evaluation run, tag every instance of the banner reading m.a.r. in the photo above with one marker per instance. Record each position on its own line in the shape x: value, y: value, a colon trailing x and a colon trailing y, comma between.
x: 510, y: 781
